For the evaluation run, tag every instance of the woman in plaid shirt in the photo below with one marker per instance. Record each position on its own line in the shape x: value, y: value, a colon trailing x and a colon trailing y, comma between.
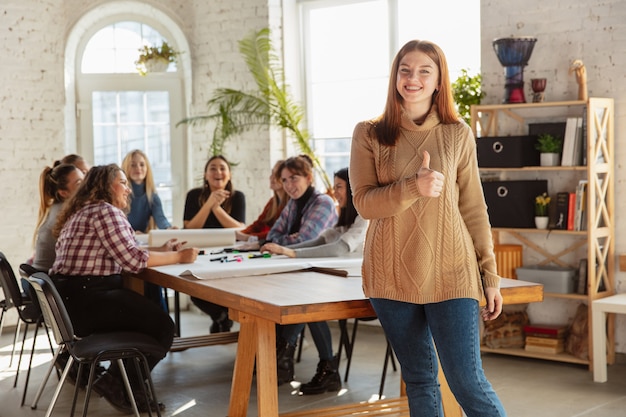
x: 95, y: 244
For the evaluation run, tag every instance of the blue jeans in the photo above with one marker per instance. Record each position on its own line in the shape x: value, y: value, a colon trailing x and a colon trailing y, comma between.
x: 453, y: 326
x: 320, y: 333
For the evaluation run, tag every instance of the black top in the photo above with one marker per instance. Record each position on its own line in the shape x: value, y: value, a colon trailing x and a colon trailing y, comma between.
x: 192, y: 206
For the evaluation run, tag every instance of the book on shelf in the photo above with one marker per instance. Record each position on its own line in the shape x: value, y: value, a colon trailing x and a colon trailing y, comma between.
x: 571, y: 210
x: 562, y: 203
x: 580, y: 217
x: 544, y: 349
x: 567, y: 159
x: 544, y: 341
x: 577, y: 156
x: 546, y: 330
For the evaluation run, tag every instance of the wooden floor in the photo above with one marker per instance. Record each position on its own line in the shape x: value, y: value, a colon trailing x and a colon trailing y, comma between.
x: 196, y: 382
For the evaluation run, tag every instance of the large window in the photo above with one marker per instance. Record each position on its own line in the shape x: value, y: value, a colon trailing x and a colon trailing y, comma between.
x: 348, y: 48
x: 122, y: 111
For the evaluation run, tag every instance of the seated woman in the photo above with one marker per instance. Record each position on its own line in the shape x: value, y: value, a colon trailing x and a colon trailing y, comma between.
x: 346, y: 237
x: 308, y: 212
x: 55, y: 186
x: 215, y: 205
x: 262, y: 225
x: 95, y: 244
x: 146, y: 210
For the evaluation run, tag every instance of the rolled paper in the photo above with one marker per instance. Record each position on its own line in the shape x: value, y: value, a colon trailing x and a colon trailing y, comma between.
x: 198, y: 238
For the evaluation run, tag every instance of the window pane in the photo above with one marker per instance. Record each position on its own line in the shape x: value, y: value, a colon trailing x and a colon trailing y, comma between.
x: 115, y: 48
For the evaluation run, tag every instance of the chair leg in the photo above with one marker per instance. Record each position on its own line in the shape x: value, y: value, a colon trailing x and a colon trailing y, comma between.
x: 299, y: 356
x: 19, y: 359
x: 18, y: 325
x: 30, y: 362
x: 348, y: 344
x: 45, y: 378
x: 388, y: 356
x: 177, y: 312
x: 57, y: 391
x: 129, y: 390
x: 148, y: 378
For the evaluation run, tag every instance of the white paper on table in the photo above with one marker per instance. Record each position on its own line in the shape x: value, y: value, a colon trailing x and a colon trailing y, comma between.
x: 204, y: 268
x: 199, y: 238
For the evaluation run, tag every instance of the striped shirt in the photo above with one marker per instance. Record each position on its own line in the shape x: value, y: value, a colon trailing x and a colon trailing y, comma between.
x: 98, y: 240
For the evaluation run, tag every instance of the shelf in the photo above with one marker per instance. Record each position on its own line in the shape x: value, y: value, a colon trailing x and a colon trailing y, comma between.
x: 598, y: 241
x: 582, y: 233
x: 558, y: 357
x: 534, y: 169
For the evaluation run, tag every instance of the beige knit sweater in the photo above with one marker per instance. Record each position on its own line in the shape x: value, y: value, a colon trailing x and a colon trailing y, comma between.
x: 421, y: 249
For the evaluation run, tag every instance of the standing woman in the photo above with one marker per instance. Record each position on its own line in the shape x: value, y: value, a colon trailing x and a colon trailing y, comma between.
x: 414, y: 174
x: 215, y: 205
x: 55, y: 186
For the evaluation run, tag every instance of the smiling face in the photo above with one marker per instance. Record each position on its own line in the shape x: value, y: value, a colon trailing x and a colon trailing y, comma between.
x: 120, y: 190
x: 138, y: 169
x: 341, y: 192
x: 295, y: 185
x: 417, y: 80
x: 217, y: 174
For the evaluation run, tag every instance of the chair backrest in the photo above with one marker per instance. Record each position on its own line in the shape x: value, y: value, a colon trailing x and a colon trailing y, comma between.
x: 10, y: 286
x: 54, y: 313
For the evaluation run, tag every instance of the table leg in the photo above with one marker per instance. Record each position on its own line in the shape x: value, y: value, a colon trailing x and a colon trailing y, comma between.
x: 266, y: 378
x: 244, y: 367
x: 598, y: 328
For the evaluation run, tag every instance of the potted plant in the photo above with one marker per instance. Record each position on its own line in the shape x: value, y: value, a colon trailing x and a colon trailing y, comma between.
x: 550, y: 148
x: 155, y: 58
x: 466, y: 90
x: 235, y: 111
x: 542, y: 203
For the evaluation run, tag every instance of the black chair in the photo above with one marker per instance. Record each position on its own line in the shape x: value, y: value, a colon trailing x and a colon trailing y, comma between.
x: 28, y: 312
x: 92, y: 350
x: 347, y: 343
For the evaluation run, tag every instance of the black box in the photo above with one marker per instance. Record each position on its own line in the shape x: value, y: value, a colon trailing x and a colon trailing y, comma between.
x: 512, y: 203
x: 507, y: 151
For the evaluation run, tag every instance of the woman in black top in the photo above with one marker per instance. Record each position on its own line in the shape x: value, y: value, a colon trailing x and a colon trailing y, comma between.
x: 215, y: 205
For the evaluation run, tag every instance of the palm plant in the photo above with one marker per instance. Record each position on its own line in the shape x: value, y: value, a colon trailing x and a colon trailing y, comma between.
x: 235, y: 111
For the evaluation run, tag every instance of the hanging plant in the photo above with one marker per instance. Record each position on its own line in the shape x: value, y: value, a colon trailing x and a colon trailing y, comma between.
x: 234, y: 111
x: 155, y: 58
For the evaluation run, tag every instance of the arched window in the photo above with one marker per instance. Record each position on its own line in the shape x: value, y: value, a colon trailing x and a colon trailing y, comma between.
x: 117, y: 109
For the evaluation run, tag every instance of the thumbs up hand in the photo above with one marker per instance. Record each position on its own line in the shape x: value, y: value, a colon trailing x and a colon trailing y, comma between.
x: 429, y: 181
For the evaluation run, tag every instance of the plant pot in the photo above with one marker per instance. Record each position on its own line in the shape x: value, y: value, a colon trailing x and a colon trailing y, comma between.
x: 549, y: 159
x: 541, y: 222
x: 157, y: 65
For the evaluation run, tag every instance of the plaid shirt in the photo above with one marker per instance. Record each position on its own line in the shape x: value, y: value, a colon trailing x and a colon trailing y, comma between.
x: 319, y: 213
x: 98, y: 240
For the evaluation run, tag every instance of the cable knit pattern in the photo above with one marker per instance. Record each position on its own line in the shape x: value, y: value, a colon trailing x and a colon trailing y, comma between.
x: 421, y: 249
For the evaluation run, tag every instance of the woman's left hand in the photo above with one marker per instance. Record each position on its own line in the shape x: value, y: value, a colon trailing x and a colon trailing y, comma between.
x: 494, y: 304
x: 173, y: 245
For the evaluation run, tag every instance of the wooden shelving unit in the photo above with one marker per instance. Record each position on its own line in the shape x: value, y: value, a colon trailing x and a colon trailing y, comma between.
x: 599, y: 237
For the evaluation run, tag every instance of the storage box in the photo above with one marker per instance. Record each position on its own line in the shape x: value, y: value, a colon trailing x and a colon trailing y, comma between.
x: 512, y: 203
x: 508, y: 258
x: 554, y: 278
x: 507, y: 151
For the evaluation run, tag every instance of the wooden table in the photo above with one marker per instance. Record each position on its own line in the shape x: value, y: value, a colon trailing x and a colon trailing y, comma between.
x: 259, y: 302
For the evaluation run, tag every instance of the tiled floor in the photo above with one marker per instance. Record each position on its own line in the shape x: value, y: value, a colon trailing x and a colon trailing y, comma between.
x: 196, y: 382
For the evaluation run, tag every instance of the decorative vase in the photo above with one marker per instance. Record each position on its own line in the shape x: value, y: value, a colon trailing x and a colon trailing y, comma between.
x: 513, y: 54
x: 549, y: 159
x: 157, y: 65
x: 541, y: 222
